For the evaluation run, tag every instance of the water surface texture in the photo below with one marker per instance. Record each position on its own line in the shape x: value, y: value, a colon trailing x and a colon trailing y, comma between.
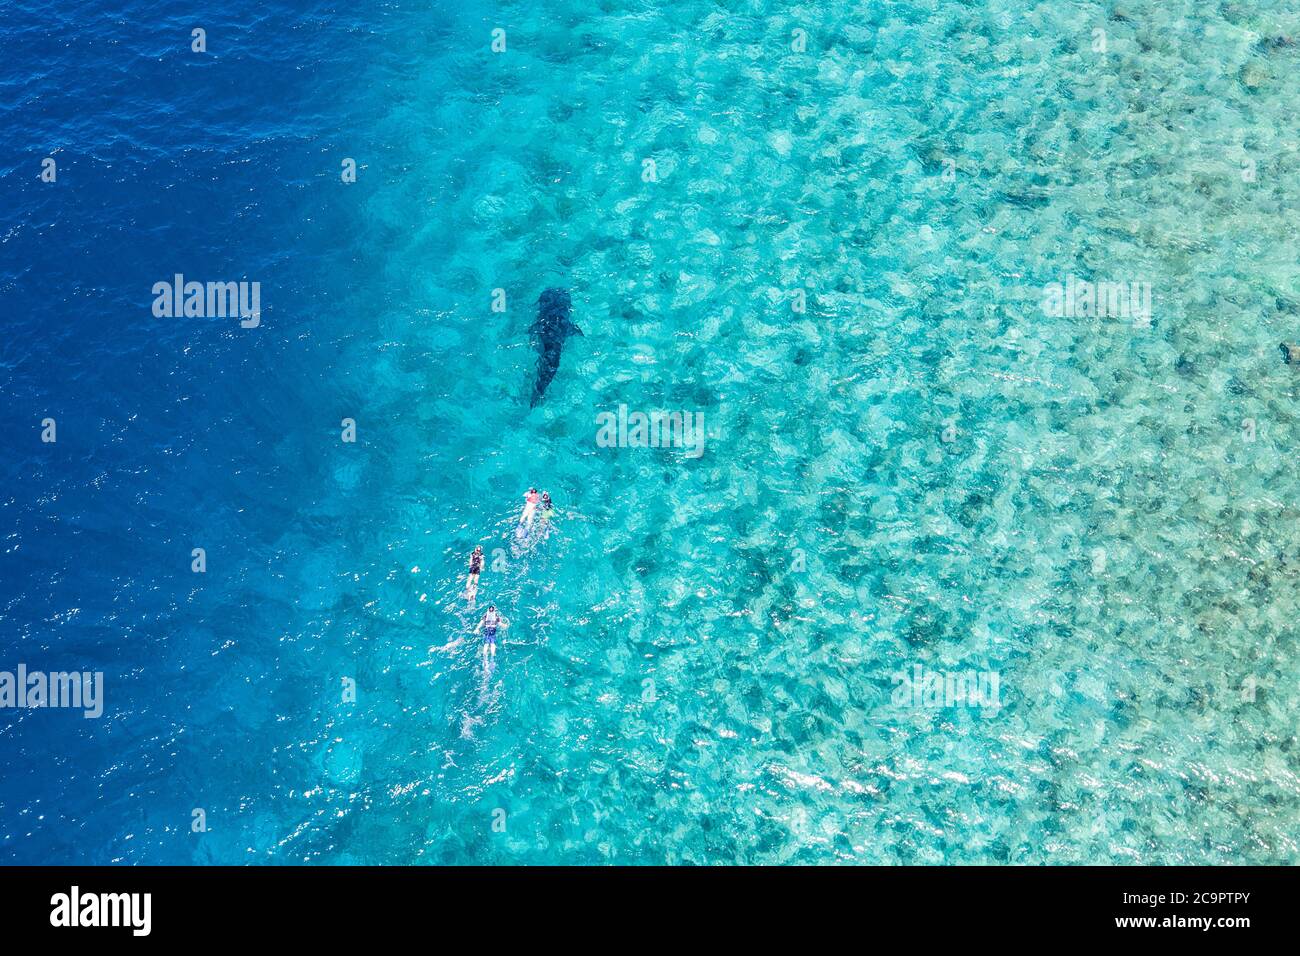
x: 826, y: 227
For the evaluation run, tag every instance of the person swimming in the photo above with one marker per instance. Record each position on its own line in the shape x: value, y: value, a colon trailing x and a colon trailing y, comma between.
x: 492, y: 621
x: 530, y: 509
x: 475, y: 569
x: 548, y: 512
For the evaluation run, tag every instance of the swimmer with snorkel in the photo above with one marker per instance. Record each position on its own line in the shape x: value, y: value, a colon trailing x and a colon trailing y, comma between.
x: 548, y: 512
x: 475, y: 569
x: 492, y: 621
x: 530, y: 510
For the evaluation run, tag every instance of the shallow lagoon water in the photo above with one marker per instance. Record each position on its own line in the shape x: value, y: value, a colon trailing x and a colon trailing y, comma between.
x: 919, y: 468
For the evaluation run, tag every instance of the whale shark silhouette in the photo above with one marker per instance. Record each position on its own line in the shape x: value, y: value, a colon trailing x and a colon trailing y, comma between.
x: 549, y: 332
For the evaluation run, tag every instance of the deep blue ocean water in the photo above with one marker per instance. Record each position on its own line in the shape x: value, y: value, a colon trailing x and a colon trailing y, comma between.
x: 827, y: 228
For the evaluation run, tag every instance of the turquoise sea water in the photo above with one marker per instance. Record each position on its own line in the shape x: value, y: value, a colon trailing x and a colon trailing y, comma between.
x: 920, y: 468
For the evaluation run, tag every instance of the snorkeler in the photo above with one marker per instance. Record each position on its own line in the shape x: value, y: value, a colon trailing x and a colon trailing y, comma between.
x: 488, y: 626
x: 548, y: 512
x: 526, y: 519
x: 475, y: 569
